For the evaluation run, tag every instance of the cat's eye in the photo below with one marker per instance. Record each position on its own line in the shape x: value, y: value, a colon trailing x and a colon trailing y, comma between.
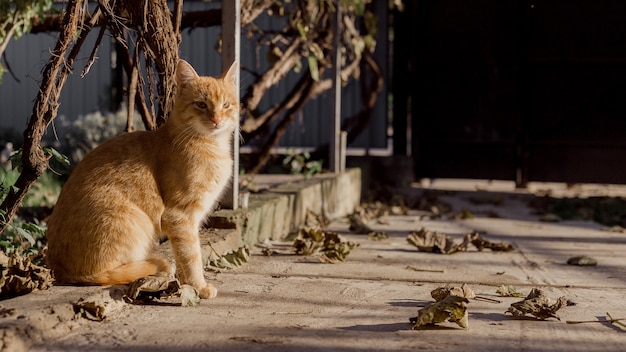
x: 226, y: 105
x: 201, y: 105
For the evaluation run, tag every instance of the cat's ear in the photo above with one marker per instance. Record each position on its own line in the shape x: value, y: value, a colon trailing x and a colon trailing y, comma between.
x: 230, y: 75
x: 184, y: 73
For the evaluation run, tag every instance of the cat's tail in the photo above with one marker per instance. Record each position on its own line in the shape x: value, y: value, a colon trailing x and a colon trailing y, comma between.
x: 127, y: 273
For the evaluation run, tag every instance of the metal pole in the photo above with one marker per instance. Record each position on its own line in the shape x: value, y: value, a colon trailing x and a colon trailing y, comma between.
x: 231, y: 37
x: 335, y: 129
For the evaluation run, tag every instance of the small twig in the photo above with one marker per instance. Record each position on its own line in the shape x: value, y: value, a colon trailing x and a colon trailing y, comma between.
x: 483, y: 298
x: 610, y: 320
x: 410, y: 267
x: 132, y: 91
x: 292, y: 313
x: 616, y: 321
x: 92, y: 57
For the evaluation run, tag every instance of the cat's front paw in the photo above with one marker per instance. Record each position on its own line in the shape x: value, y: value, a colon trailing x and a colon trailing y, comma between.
x: 208, y: 291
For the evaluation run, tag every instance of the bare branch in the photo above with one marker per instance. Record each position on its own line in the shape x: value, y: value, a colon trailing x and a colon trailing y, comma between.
x: 92, y: 56
x: 251, y: 9
x: 273, y: 75
x: 263, y: 121
x: 278, y: 132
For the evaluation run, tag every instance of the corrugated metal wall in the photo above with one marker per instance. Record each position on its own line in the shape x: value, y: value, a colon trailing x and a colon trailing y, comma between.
x: 28, y: 56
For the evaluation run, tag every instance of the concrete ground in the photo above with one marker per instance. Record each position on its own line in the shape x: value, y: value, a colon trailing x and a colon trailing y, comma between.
x: 286, y: 302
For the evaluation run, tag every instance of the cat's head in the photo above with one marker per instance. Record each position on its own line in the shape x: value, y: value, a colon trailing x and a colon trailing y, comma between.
x: 209, y: 104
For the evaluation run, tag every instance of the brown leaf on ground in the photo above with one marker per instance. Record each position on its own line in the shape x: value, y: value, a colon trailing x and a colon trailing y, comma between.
x: 433, y: 242
x: 377, y: 235
x: 582, y: 260
x: 360, y: 217
x: 508, y: 291
x: 538, y: 305
x: 336, y: 248
x: 309, y: 241
x: 230, y: 260
x: 91, y: 310
x: 19, y: 276
x: 451, y: 308
x: 333, y: 247
x: 312, y: 219
x: 480, y: 243
x: 441, y: 293
x: 357, y: 225
x: 152, y: 287
x: 189, y: 296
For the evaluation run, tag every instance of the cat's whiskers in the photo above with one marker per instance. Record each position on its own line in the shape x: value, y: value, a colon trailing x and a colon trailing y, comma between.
x: 181, y: 139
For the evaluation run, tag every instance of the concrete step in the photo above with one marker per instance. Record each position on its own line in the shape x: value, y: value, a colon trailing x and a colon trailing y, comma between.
x: 278, y: 210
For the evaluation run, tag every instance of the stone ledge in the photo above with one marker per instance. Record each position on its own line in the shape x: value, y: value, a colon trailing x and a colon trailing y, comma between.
x: 279, y: 210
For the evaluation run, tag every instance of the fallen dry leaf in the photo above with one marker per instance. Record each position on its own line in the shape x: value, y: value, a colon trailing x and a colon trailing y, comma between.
x: 19, y: 276
x: 336, y: 248
x: 357, y: 225
x: 230, y: 260
x: 435, y: 242
x: 309, y: 241
x: 312, y: 219
x: 582, y: 260
x: 480, y: 243
x: 91, y: 310
x: 332, y: 246
x: 451, y: 308
x: 432, y: 242
x: 508, y: 291
x: 377, y: 235
x: 465, y: 291
x: 189, y: 296
x: 152, y: 287
x: 538, y: 305
x: 441, y: 293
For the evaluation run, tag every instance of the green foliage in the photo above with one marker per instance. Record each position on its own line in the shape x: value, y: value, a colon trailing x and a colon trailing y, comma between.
x: 21, y: 236
x: 300, y: 163
x: 16, y: 19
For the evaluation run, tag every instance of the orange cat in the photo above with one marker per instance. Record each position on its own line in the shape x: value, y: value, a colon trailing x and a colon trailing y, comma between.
x: 139, y: 187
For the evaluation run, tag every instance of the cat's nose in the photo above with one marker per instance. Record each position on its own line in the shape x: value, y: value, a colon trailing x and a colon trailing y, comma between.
x: 216, y: 122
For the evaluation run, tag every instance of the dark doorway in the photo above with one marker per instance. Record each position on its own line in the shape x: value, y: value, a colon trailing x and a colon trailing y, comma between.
x: 516, y: 90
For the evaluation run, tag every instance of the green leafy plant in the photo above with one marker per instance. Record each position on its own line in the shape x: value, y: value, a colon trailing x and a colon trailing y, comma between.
x: 21, y: 236
x: 300, y: 163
